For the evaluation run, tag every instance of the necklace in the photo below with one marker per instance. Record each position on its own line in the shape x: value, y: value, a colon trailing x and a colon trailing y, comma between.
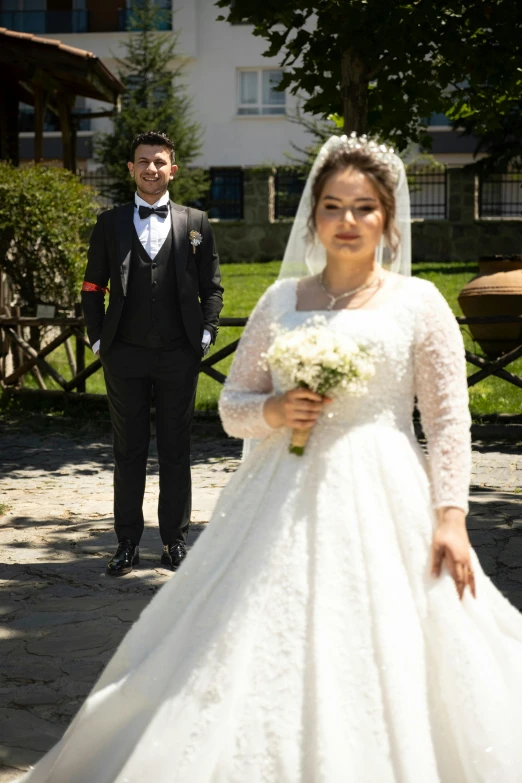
x: 334, y: 299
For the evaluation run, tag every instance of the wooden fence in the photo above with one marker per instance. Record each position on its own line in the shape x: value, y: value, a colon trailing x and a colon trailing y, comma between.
x: 19, y: 358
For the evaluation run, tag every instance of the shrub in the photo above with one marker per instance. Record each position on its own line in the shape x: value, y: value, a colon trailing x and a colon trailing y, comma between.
x: 45, y: 218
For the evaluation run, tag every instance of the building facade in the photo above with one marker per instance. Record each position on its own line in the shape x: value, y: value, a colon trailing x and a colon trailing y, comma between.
x: 244, y: 121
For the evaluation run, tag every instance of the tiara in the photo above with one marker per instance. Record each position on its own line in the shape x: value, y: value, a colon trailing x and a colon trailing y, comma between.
x: 378, y: 151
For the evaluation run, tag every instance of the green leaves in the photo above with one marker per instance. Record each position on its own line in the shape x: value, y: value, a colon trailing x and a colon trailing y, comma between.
x: 415, y: 59
x: 45, y: 219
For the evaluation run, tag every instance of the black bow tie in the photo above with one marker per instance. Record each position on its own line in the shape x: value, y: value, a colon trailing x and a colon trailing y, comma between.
x: 146, y: 212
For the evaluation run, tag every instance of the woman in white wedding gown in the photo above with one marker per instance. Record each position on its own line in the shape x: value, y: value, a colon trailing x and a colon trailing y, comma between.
x: 324, y: 629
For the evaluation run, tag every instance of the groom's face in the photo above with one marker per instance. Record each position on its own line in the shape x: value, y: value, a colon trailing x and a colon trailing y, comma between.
x: 152, y: 170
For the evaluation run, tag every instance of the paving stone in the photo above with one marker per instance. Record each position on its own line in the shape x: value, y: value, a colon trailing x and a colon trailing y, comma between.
x: 477, y: 522
x: 480, y: 537
x: 516, y: 574
x: 82, y: 668
x: 8, y: 607
x: 35, y: 695
x: 512, y: 554
x: 29, y: 669
x: 79, y: 641
x: 46, y: 619
x: 22, y: 729
x: 128, y: 610
x: 62, y: 616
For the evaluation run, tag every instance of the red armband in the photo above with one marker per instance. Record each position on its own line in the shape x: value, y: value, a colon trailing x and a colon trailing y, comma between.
x: 94, y: 287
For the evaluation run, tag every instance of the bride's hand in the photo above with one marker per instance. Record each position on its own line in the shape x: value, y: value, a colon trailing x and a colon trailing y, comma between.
x: 298, y: 409
x: 451, y: 543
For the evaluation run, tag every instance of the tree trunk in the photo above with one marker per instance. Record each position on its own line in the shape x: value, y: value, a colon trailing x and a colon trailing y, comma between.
x: 354, y: 92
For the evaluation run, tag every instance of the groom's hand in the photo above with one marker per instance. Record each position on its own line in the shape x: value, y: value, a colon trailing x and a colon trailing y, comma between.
x: 298, y: 409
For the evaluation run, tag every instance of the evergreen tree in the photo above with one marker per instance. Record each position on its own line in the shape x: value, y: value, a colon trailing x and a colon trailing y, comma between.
x: 155, y: 99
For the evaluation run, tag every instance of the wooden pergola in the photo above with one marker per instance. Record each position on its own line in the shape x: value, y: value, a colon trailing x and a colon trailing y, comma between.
x: 49, y: 75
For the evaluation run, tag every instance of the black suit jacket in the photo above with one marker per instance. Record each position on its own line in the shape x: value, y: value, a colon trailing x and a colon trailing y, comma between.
x: 200, y: 295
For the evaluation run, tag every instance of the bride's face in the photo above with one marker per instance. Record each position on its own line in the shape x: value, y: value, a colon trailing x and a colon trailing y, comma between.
x: 349, y: 218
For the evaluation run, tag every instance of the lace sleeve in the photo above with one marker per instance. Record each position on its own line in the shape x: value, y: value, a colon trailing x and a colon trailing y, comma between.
x: 442, y: 394
x: 249, y: 384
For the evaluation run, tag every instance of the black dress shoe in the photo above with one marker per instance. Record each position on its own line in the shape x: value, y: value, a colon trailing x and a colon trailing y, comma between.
x: 127, y: 555
x: 173, y: 555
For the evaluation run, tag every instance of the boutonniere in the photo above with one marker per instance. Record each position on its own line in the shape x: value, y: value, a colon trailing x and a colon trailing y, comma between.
x: 195, y: 239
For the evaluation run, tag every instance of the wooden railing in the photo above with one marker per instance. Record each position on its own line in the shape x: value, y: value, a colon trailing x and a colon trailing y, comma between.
x: 493, y: 366
x: 72, y: 336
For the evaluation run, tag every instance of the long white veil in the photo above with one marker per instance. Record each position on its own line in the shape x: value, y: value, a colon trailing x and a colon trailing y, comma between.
x: 304, y: 257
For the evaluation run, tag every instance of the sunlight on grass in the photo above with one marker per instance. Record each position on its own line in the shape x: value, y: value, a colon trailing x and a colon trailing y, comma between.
x: 245, y: 283
x: 492, y: 395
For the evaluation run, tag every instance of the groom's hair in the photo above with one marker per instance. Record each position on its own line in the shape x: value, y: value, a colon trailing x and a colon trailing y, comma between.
x: 154, y: 139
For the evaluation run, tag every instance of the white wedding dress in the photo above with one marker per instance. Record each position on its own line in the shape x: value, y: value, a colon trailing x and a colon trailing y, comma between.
x: 303, y: 640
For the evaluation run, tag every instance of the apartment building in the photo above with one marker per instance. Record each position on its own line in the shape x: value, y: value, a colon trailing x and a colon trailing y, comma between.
x: 244, y: 121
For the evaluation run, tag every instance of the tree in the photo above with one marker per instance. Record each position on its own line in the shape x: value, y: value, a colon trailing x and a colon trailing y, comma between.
x: 155, y: 99
x: 45, y: 219
x: 488, y: 103
x: 383, y: 66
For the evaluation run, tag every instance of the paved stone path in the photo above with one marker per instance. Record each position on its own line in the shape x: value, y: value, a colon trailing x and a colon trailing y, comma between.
x: 61, y: 617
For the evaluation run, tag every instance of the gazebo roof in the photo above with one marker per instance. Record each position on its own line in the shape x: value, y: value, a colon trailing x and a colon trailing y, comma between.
x: 54, y: 66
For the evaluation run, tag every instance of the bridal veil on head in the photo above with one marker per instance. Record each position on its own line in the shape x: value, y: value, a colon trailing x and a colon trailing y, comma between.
x: 304, y: 256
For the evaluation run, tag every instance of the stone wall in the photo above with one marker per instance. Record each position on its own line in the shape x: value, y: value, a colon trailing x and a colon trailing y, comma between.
x: 463, y: 237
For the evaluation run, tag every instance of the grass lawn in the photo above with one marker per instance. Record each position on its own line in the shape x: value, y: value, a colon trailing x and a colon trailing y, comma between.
x: 244, y: 284
x: 493, y: 395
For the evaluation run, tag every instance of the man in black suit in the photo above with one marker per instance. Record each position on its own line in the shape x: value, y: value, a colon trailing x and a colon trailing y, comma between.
x: 163, y: 313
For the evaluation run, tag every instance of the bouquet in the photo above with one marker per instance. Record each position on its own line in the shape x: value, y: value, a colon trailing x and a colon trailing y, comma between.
x: 315, y: 358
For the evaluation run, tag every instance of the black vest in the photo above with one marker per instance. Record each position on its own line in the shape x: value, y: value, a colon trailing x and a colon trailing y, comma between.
x: 151, y: 315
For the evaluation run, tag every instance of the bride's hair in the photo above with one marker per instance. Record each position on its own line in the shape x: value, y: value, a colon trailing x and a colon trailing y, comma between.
x: 376, y: 171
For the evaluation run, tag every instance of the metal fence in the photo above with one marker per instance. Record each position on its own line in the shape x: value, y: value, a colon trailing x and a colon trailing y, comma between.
x: 500, y: 195
x: 428, y: 192
x: 225, y: 197
x: 224, y: 201
x: 288, y: 186
x: 101, y: 181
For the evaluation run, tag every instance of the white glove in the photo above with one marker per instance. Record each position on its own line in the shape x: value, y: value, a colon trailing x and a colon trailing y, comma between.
x: 205, y: 341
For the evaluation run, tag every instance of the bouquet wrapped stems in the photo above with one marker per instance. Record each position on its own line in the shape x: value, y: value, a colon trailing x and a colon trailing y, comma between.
x: 298, y: 441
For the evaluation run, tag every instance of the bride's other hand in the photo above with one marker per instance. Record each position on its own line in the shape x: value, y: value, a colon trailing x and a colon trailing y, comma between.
x: 298, y: 409
x: 451, y: 543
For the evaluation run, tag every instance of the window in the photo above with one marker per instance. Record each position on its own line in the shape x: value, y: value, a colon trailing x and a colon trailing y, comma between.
x: 225, y: 199
x: 257, y: 92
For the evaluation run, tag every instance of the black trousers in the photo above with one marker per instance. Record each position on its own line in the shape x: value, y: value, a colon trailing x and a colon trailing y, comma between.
x: 132, y: 373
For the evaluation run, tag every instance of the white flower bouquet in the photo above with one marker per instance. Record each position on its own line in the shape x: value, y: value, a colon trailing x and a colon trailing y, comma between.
x: 315, y: 358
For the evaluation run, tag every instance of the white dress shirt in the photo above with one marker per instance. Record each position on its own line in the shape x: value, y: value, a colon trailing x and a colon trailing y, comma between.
x: 152, y: 231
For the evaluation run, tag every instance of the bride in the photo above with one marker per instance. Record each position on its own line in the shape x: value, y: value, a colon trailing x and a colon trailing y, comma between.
x: 332, y: 624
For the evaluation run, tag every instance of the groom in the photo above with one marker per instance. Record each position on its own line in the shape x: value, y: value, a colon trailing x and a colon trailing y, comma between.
x: 163, y: 312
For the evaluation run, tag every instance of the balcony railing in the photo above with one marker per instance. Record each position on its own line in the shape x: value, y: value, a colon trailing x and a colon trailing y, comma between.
x: 74, y: 21
x: 45, y: 21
